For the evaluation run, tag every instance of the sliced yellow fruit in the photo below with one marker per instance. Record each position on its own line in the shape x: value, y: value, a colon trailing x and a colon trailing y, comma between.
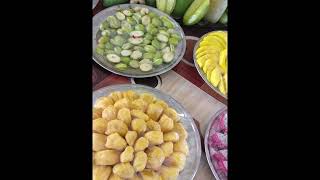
x: 210, y: 69
x: 221, y: 86
x: 225, y: 77
x: 223, y: 59
x: 208, y: 63
x: 207, y: 52
x: 215, y: 77
x: 209, y: 43
x: 201, y: 61
x: 207, y: 48
x: 219, y: 42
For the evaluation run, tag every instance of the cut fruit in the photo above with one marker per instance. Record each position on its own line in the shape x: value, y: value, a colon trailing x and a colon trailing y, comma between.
x: 168, y: 57
x: 215, y: 77
x: 223, y: 59
x: 145, y: 67
x: 113, y: 58
x: 222, y: 86
x: 135, y: 41
x: 137, y: 34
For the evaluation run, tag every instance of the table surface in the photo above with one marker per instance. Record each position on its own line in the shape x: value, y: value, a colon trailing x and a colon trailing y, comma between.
x: 182, y: 83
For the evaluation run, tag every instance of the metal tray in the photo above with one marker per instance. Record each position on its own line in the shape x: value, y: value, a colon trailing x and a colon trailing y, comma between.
x: 130, y: 72
x: 212, y: 119
x: 193, y: 140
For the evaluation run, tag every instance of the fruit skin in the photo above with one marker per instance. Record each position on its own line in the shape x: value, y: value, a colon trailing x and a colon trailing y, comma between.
x: 108, y: 3
x: 224, y: 18
x: 166, y: 6
x: 196, y: 12
x: 151, y: 3
x: 170, y: 6
x: 161, y: 5
x: 181, y: 7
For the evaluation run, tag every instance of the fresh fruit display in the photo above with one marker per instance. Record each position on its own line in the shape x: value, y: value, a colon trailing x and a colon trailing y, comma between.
x: 137, y: 38
x: 166, y: 6
x: 217, y: 145
x: 212, y: 58
x: 108, y: 3
x: 216, y: 9
x: 137, y: 136
x: 196, y: 11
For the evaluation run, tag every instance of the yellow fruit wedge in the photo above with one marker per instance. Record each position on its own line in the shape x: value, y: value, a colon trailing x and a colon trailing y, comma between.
x: 201, y: 61
x: 223, y: 59
x: 225, y: 77
x: 207, y: 52
x: 221, y: 86
x: 210, y: 69
x: 215, y: 77
x: 207, y: 48
x: 209, y: 43
x: 217, y: 40
x: 206, y: 65
x: 221, y: 34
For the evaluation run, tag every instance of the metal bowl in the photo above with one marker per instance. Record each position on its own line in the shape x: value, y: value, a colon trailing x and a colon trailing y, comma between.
x: 193, y: 140
x: 202, y: 74
x: 130, y: 72
x: 212, y: 120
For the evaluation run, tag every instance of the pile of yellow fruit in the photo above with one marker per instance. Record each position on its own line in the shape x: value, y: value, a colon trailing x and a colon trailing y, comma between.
x: 137, y: 137
x: 212, y: 58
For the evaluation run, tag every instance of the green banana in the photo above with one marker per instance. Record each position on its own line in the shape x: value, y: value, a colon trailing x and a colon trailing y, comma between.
x: 196, y: 12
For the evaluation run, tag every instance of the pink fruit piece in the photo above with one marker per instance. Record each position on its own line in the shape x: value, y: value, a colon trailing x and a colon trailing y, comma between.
x: 218, y: 140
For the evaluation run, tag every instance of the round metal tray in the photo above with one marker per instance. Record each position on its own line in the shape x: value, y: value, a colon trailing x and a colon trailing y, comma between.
x: 212, y: 120
x: 193, y: 140
x: 130, y: 72
x: 202, y: 74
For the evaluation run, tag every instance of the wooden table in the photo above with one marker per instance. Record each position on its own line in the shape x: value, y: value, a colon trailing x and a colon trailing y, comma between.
x: 182, y: 83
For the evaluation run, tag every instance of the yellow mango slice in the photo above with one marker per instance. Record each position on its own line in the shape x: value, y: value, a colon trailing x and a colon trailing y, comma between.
x: 222, y: 86
x: 210, y: 51
x: 217, y: 40
x: 223, y: 59
x: 210, y: 69
x: 201, y: 61
x: 215, y: 77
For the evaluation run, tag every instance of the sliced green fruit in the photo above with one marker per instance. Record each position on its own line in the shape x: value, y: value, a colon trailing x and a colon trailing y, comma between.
x: 113, y: 58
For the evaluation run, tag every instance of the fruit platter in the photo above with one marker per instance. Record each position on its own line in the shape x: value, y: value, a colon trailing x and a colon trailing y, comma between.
x: 140, y: 132
x: 136, y: 40
x: 216, y: 145
x: 210, y: 56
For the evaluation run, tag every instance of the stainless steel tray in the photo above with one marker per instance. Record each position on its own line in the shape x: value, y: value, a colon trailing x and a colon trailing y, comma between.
x: 193, y: 140
x: 130, y: 72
